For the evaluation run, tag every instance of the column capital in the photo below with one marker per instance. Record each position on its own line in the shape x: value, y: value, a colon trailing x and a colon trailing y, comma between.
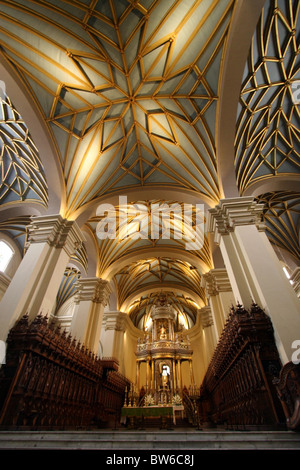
x: 56, y: 231
x: 232, y: 212
x: 215, y: 281
x: 114, y: 321
x: 93, y: 289
x: 206, y: 317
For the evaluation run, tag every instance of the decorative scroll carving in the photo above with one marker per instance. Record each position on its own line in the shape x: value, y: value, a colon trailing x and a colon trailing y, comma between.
x: 50, y: 380
x: 238, y: 387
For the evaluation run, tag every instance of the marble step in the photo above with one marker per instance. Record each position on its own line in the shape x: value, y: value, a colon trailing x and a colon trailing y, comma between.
x: 150, y: 440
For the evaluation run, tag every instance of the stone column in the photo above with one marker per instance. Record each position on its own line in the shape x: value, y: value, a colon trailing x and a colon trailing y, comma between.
x: 91, y: 299
x: 209, y: 331
x: 191, y: 373
x: 179, y: 375
x: 114, y: 327
x: 253, y: 268
x: 152, y: 376
x: 175, y: 384
x: 219, y: 294
x: 148, y: 375
x: 33, y: 289
x: 138, y: 364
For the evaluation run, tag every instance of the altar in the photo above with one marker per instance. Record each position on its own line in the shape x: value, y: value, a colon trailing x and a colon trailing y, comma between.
x: 160, y: 353
x: 141, y: 412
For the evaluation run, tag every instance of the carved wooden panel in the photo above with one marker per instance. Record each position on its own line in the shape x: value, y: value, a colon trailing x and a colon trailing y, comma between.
x: 51, y: 381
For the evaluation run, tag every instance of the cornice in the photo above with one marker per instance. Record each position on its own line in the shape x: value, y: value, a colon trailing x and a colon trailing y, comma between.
x: 233, y: 212
x: 57, y: 232
x: 93, y: 289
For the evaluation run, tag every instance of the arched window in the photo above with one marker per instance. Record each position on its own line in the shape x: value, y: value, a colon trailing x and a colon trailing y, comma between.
x: 6, y: 254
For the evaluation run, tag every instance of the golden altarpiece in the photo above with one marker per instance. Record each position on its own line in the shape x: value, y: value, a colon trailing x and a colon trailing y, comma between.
x: 163, y: 350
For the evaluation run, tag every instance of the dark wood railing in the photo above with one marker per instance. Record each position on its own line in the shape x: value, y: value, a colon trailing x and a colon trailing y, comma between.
x: 238, y: 389
x: 52, y: 381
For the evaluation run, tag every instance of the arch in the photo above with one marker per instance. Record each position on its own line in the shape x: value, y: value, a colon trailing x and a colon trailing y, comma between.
x: 273, y: 184
x: 40, y: 134
x: 142, y: 194
x: 91, y: 250
x: 16, y: 209
x: 156, y: 252
x: 167, y: 286
x: 245, y: 17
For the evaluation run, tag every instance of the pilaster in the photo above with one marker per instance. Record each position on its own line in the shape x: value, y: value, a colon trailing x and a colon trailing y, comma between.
x: 253, y: 268
x: 119, y: 340
x: 209, y: 332
x: 230, y: 213
x: 91, y: 298
x: 219, y: 293
x: 56, y: 232
x: 33, y: 289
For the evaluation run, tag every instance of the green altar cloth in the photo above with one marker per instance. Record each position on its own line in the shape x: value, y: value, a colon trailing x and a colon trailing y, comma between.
x: 147, y: 411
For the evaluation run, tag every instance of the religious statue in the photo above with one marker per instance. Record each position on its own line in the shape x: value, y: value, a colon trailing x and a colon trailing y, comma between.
x: 163, y: 332
x: 165, y: 376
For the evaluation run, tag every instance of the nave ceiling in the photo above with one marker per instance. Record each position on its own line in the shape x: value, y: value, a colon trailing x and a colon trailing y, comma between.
x: 129, y: 94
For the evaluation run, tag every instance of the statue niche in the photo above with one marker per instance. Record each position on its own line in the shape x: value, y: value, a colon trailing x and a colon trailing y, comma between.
x: 163, y: 372
x: 163, y: 331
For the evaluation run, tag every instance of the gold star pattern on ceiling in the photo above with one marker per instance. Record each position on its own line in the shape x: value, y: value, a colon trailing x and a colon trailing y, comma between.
x: 128, y: 89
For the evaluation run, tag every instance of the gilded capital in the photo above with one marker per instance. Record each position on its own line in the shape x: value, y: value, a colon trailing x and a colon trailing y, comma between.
x: 57, y: 232
x: 114, y: 321
x: 206, y: 317
x: 215, y: 281
x: 231, y: 212
x: 93, y: 289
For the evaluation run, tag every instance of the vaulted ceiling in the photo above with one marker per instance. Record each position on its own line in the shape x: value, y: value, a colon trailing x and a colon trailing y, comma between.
x: 268, y: 133
x: 129, y: 90
x: 130, y: 94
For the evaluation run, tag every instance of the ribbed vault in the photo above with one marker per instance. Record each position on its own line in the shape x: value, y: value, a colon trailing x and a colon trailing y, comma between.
x: 184, y: 306
x: 22, y: 173
x: 129, y: 94
x: 129, y: 89
x: 267, y: 137
x: 282, y: 218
